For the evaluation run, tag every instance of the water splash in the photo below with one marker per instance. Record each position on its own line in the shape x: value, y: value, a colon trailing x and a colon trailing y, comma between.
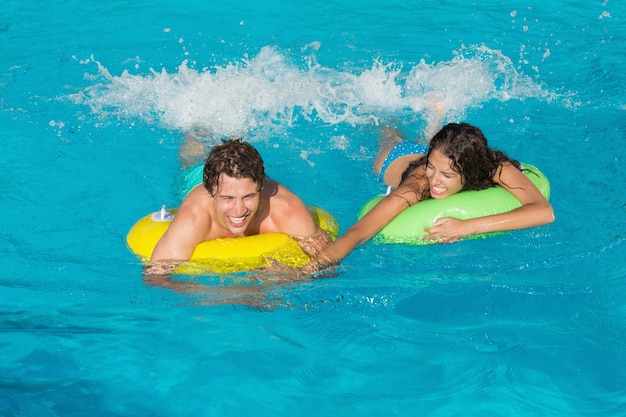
x: 268, y: 91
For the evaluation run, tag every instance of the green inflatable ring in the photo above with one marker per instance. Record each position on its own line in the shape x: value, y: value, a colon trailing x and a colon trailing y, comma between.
x: 409, y: 225
x: 187, y: 179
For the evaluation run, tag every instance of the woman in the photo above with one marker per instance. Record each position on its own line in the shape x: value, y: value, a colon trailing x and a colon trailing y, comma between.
x: 458, y: 159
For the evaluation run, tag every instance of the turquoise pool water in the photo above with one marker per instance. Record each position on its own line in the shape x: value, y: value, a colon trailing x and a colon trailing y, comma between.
x: 95, y: 98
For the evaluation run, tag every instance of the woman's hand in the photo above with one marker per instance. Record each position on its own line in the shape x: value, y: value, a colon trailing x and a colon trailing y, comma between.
x: 446, y: 230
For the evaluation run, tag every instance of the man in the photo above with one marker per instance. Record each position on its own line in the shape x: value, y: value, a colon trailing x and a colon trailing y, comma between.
x: 235, y: 199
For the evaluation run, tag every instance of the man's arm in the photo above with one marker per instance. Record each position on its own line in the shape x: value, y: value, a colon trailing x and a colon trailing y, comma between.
x: 177, y: 244
x: 188, y: 228
x: 312, y: 245
x: 253, y: 296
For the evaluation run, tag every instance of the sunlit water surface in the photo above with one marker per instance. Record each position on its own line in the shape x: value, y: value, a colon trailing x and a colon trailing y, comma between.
x: 95, y: 99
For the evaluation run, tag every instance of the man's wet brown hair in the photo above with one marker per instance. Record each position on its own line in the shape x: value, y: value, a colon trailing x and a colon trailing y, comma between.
x: 236, y: 159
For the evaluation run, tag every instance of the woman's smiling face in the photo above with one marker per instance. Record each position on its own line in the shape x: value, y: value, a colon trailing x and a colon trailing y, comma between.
x: 443, y: 179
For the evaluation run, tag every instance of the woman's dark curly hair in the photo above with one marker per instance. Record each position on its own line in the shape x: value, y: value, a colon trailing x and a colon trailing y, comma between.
x: 236, y: 159
x: 471, y: 156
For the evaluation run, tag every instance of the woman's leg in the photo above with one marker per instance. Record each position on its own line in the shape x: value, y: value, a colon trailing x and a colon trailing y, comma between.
x: 389, y: 137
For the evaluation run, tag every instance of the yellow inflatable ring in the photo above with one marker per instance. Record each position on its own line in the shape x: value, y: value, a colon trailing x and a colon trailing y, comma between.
x: 226, y: 255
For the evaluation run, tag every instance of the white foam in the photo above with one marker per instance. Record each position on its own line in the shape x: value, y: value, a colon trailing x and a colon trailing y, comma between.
x: 269, y: 91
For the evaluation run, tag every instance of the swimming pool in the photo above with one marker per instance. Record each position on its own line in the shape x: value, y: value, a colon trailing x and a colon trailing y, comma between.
x: 95, y: 98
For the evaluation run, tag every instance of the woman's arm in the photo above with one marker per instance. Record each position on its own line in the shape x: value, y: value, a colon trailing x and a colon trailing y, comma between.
x: 534, y: 211
x: 370, y: 224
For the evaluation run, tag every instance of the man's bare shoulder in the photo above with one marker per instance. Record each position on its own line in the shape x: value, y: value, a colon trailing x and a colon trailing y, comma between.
x: 282, y: 199
x: 195, y: 206
x: 287, y: 213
